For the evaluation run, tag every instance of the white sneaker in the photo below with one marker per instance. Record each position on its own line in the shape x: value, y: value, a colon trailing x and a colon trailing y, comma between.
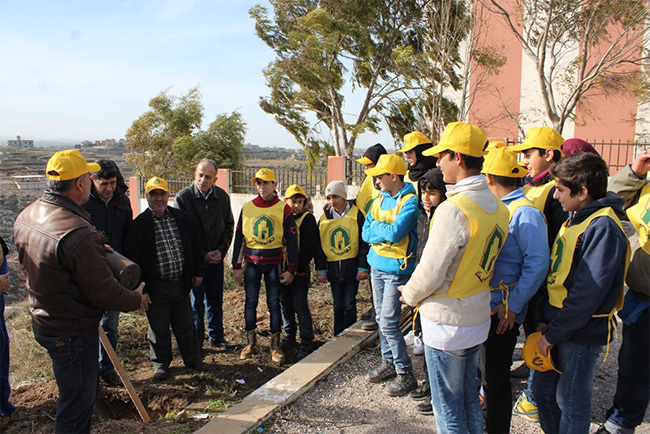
x: 410, y: 336
x: 418, y: 346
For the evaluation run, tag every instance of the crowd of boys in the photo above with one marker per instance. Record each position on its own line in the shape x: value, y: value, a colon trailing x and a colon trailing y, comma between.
x: 476, y: 242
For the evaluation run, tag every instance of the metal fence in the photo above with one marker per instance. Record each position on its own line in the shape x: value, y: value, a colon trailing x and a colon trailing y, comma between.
x: 313, y: 182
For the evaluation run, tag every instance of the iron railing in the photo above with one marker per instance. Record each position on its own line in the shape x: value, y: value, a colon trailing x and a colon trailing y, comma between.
x: 313, y: 182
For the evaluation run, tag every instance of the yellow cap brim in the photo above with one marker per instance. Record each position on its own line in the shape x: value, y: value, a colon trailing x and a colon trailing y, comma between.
x: 374, y: 171
x: 435, y: 151
x: 365, y: 161
x: 261, y: 178
x: 520, y: 147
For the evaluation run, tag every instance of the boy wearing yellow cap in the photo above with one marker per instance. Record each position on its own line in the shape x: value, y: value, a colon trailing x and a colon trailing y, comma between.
x: 585, y: 284
x: 450, y: 283
x: 519, y: 271
x: 293, y: 298
x: 391, y: 230
x: 266, y: 240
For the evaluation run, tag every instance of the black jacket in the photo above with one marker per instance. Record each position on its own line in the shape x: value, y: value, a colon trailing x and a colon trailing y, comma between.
x: 110, y: 219
x: 309, y: 242
x: 212, y: 218
x: 140, y: 246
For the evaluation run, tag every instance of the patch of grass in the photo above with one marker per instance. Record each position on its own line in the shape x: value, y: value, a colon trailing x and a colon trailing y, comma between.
x: 29, y: 360
x: 132, y: 342
x: 218, y: 405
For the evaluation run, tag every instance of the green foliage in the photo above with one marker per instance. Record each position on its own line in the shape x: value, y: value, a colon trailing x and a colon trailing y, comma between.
x: 167, y: 140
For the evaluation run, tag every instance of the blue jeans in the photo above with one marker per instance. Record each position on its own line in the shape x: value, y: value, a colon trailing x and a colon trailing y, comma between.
x: 454, y: 393
x: 6, y: 408
x: 632, y: 392
x: 210, y: 289
x: 293, y: 299
x: 252, y: 282
x: 564, y: 401
x: 344, y: 299
x: 74, y: 361
x: 388, y: 310
x: 110, y: 321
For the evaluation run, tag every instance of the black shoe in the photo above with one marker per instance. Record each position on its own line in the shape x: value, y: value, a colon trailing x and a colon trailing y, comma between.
x: 401, y: 385
x: 421, y: 393
x: 370, y: 325
x: 306, y: 348
x: 384, y: 371
x: 287, y: 342
x: 160, y: 373
x: 522, y: 371
x: 366, y: 315
x: 198, y: 366
x: 424, y: 407
x: 112, y: 379
x: 224, y: 345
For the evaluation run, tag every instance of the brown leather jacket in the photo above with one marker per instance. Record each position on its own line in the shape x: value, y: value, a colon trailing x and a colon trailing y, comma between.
x: 68, y: 278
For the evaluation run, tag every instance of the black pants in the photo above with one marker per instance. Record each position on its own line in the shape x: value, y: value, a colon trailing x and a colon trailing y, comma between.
x: 498, y: 392
x: 170, y: 306
x: 293, y: 300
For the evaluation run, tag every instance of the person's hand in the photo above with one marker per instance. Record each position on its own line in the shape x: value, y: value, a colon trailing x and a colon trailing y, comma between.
x: 196, y: 281
x: 238, y: 274
x: 543, y: 346
x: 4, y: 283
x: 145, y: 301
x: 542, y: 327
x: 108, y: 248
x: 362, y: 275
x: 505, y: 323
x: 213, y: 257
x: 322, y: 278
x: 286, y: 278
x: 641, y: 164
x: 327, y: 206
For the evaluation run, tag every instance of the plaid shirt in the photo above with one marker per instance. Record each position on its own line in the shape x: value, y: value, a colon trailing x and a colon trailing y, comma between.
x: 169, y: 248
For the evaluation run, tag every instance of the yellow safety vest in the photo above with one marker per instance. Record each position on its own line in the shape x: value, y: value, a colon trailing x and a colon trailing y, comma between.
x: 415, y: 183
x: 367, y: 194
x: 299, y: 221
x: 562, y: 258
x: 639, y: 216
x: 263, y: 227
x: 488, y: 234
x: 339, y: 237
x: 386, y: 249
x: 539, y: 194
x: 516, y: 204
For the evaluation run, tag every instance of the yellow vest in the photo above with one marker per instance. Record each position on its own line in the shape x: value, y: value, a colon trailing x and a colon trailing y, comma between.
x: 415, y: 183
x: 299, y: 221
x: 488, y: 233
x: 339, y: 237
x: 562, y: 258
x: 516, y: 204
x: 397, y: 250
x: 539, y: 194
x: 263, y: 227
x: 639, y: 216
x: 367, y: 194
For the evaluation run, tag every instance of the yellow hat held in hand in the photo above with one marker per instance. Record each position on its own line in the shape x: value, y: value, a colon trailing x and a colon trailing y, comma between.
x: 533, y: 358
x: 293, y: 190
x: 503, y: 162
x: 68, y: 164
x: 461, y: 137
x: 263, y: 174
x: 388, y: 163
x: 540, y: 137
x: 156, y: 183
x: 411, y: 140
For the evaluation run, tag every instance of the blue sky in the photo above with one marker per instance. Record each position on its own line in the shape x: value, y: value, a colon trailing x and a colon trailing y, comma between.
x: 86, y: 69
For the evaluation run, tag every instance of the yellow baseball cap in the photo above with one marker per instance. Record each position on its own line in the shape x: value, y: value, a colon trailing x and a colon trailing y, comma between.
x: 388, y: 163
x: 156, y: 183
x: 495, y: 144
x: 460, y: 137
x: 411, y: 140
x: 263, y: 174
x: 540, y: 137
x: 533, y: 358
x: 503, y: 162
x: 293, y: 190
x: 68, y: 164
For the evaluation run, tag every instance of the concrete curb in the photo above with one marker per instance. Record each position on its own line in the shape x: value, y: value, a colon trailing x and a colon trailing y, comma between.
x: 291, y: 384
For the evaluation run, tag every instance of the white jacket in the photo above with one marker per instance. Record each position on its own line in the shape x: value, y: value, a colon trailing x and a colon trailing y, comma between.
x: 441, y: 257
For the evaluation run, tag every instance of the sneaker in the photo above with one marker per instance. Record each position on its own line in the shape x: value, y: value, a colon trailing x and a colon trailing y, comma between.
x: 525, y: 409
x: 160, y: 373
x: 198, y: 366
x: 287, y: 342
x: 384, y: 371
x: 418, y: 346
x: 409, y: 338
x: 112, y: 379
x: 223, y: 345
x: 425, y: 407
x: 366, y: 315
x: 370, y: 325
x: 401, y: 385
x: 602, y: 429
x: 306, y: 348
x: 422, y: 392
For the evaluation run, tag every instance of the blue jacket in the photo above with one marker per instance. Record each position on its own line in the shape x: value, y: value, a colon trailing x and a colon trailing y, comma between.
x: 524, y: 259
x: 595, y: 279
x: 405, y: 223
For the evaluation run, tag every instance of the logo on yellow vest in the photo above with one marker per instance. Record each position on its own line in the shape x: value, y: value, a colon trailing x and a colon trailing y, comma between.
x: 263, y: 230
x: 556, y: 259
x: 340, y: 241
x: 491, y: 250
